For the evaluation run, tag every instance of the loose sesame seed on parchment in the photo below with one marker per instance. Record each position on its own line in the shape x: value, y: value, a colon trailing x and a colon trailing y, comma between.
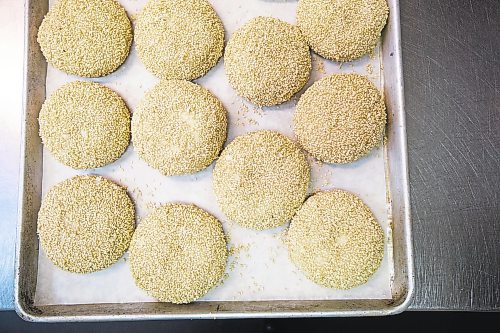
x: 369, y: 68
x: 319, y: 64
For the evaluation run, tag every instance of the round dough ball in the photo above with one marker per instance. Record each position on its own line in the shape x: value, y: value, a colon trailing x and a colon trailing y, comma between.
x: 88, y: 38
x: 85, y: 125
x: 85, y: 223
x: 261, y: 179
x: 179, y: 127
x: 178, y: 253
x: 335, y: 240
x: 267, y: 61
x: 342, y: 30
x: 340, y: 118
x: 179, y: 39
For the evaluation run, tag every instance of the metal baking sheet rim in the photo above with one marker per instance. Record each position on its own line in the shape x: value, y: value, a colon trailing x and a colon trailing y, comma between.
x: 30, y: 193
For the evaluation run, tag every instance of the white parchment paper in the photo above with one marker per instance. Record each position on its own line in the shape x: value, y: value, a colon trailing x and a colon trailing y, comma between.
x: 260, y: 268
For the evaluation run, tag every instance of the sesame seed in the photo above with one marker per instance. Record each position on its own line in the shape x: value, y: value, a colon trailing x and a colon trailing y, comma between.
x: 369, y: 68
x: 342, y: 30
x: 261, y: 179
x: 340, y: 118
x: 179, y: 39
x: 179, y: 127
x: 89, y: 38
x: 320, y: 65
x: 178, y: 253
x: 335, y: 240
x: 267, y: 61
x: 85, y: 223
x: 85, y: 125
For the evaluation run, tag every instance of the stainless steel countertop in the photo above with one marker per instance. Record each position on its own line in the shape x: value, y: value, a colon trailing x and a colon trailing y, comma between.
x: 451, y: 59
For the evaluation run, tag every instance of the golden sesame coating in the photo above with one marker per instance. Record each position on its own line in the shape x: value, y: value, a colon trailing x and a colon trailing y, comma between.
x: 85, y: 125
x: 178, y: 253
x: 340, y: 118
x: 342, y: 30
x: 179, y: 127
x: 335, y: 240
x: 89, y: 38
x: 179, y: 39
x: 261, y: 179
x: 85, y: 223
x: 267, y: 61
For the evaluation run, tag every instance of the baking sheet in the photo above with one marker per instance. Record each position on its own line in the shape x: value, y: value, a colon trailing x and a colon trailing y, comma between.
x: 259, y: 269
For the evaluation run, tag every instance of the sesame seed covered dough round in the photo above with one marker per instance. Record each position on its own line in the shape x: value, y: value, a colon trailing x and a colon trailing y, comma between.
x: 261, y: 179
x: 85, y: 223
x: 89, y: 38
x: 267, y: 61
x: 85, y: 125
x: 178, y: 253
x: 340, y: 118
x: 179, y: 127
x: 342, y: 30
x: 179, y: 39
x: 335, y: 240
